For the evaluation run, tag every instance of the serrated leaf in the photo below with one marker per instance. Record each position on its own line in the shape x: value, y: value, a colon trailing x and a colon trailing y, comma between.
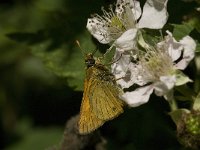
x: 182, y: 30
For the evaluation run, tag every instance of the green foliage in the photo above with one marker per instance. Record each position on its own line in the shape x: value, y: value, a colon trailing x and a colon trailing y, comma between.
x: 66, y: 62
x: 35, y: 138
x: 198, y: 47
x: 196, y: 105
x: 181, y: 30
x: 39, y: 61
x: 50, y: 36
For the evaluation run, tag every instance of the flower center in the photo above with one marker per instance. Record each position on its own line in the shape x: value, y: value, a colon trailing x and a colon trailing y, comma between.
x: 116, y: 22
x: 156, y: 63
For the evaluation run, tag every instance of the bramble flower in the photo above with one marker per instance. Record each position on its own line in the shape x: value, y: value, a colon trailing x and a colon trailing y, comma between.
x: 158, y: 69
x: 121, y: 26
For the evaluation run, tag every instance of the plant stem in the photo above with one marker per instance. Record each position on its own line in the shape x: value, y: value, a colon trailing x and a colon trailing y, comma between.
x: 172, y: 104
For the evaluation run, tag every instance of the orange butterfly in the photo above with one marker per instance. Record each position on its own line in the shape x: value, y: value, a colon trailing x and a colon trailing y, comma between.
x: 100, y: 101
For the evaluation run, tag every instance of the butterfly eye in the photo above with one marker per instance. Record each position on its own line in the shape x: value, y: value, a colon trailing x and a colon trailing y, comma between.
x: 90, y: 62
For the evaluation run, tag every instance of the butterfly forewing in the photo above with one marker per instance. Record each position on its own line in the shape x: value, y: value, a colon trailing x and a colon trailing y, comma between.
x: 88, y: 121
x: 104, y: 100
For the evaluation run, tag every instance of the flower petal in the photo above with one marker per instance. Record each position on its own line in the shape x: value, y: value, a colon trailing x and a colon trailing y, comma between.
x: 98, y: 30
x: 126, y: 41
x: 126, y: 81
x: 126, y: 72
x: 173, y: 47
x: 120, y: 67
x: 131, y: 77
x: 138, y: 97
x: 136, y: 76
x: 120, y: 70
x: 154, y: 14
x: 136, y: 9
x: 133, y: 4
x: 165, y: 85
x: 189, y: 46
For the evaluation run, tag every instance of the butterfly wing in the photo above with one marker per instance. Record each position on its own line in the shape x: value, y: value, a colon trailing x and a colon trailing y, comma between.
x: 88, y: 121
x: 104, y: 100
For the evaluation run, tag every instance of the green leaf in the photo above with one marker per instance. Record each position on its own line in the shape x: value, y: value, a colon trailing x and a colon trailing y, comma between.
x: 181, y: 78
x: 38, y: 139
x: 142, y: 42
x: 196, y: 23
x: 182, y: 30
x: 197, y: 47
x: 35, y: 138
x: 66, y: 62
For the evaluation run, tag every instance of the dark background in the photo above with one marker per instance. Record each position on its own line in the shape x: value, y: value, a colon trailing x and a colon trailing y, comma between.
x: 36, y: 98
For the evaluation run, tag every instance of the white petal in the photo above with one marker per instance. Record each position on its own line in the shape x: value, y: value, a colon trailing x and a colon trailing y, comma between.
x: 165, y: 85
x: 126, y: 81
x: 173, y: 47
x: 98, y: 30
x: 138, y: 97
x: 126, y: 72
x: 127, y: 40
x: 136, y: 76
x: 120, y: 67
x: 120, y: 70
x: 131, y: 77
x: 189, y: 46
x: 133, y: 4
x: 154, y: 14
x: 136, y: 9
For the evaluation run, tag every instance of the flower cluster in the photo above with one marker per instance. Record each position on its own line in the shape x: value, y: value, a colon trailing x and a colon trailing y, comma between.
x: 152, y: 67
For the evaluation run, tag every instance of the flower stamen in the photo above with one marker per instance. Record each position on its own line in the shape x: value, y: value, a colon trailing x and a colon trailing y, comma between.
x: 156, y: 63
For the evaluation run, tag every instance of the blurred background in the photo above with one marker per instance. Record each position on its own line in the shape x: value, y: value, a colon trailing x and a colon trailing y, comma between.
x: 42, y: 72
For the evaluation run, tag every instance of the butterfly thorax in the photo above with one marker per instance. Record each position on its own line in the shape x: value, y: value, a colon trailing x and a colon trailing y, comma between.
x: 96, y: 69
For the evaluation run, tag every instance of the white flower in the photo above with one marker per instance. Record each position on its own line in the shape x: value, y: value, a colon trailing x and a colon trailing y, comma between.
x: 121, y: 26
x: 125, y: 72
x: 157, y: 70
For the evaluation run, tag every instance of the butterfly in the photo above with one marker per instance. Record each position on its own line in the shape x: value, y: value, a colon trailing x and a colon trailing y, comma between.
x: 100, y: 101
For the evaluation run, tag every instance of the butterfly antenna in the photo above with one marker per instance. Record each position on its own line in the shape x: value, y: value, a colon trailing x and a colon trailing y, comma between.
x: 79, y: 45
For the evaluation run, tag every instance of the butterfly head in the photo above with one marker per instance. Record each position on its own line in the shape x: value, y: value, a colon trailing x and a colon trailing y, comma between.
x: 89, y: 60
